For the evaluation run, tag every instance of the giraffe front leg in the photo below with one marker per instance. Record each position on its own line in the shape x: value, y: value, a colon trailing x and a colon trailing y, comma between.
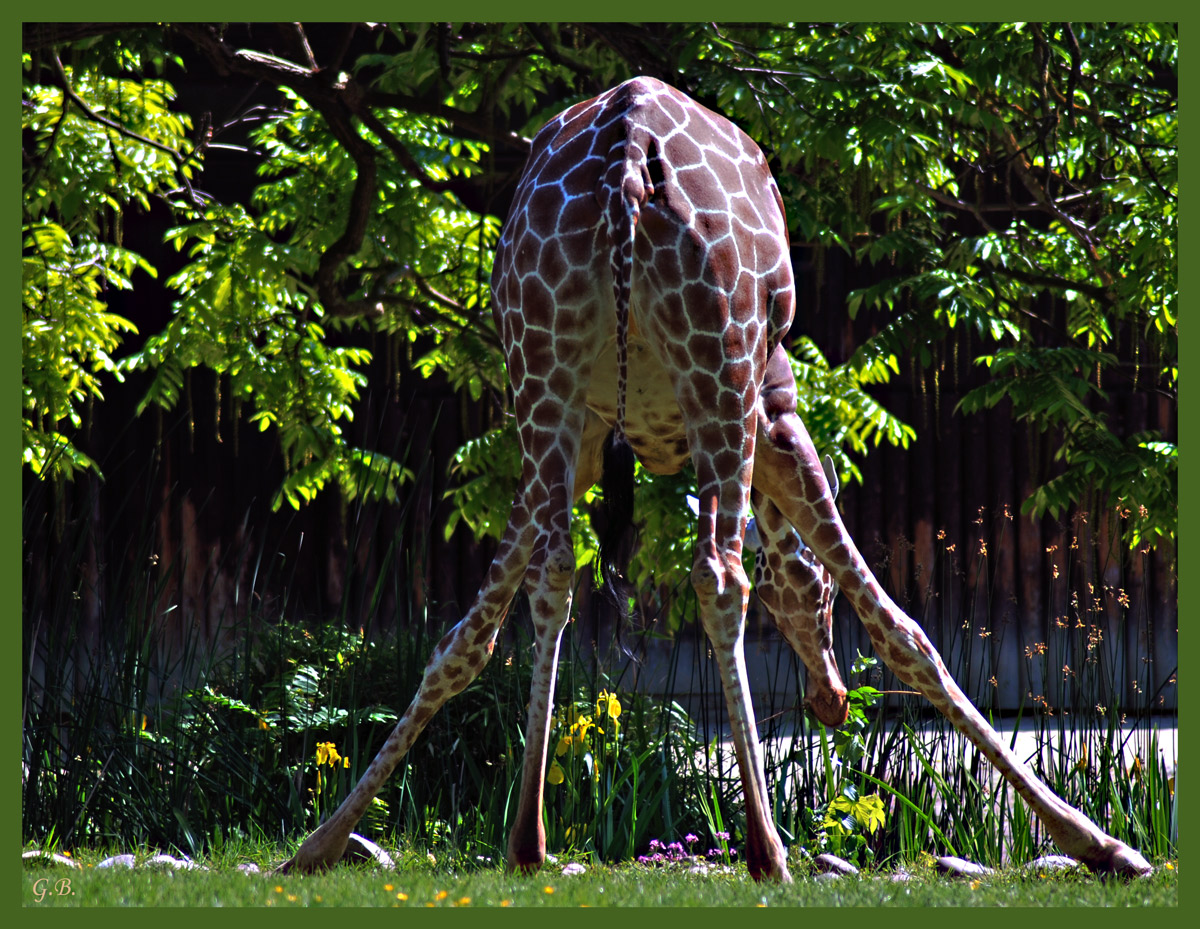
x: 787, y: 470
x: 798, y: 593
x: 456, y: 661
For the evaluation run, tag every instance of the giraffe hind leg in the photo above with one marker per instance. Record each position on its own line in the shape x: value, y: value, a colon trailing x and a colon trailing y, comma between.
x: 722, y: 593
x: 456, y: 661
x: 549, y: 581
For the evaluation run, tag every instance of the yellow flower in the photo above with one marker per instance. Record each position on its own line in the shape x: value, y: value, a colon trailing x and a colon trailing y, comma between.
x: 608, y: 704
x: 402, y: 896
x: 564, y: 745
x: 548, y: 890
x: 555, y: 775
x: 387, y: 887
x: 579, y: 729
x: 328, y: 754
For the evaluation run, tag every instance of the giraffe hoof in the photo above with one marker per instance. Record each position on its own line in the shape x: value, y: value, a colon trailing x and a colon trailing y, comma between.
x: 317, y: 854
x: 525, y: 864
x: 1127, y: 863
x: 831, y: 708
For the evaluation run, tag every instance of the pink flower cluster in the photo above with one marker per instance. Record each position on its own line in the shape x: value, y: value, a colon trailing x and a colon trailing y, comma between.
x: 663, y: 853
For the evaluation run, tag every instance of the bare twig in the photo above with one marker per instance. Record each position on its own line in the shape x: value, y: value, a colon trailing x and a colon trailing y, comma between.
x: 302, y: 41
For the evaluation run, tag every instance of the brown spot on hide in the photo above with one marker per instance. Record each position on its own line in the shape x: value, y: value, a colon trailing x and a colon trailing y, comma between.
x: 561, y: 383
x: 705, y: 351
x: 547, y: 414
x: 701, y: 187
x: 538, y: 349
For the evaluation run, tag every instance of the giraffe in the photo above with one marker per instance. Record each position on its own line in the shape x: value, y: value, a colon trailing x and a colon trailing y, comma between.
x: 641, y: 287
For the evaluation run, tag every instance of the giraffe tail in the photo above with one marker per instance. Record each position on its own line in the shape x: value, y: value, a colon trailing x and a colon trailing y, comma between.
x: 625, y: 187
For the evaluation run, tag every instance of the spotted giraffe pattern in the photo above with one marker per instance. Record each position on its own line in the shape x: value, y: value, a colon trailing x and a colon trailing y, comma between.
x: 798, y: 592
x: 641, y: 285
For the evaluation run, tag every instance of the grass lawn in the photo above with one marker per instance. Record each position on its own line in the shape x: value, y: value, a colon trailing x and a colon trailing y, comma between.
x: 424, y: 884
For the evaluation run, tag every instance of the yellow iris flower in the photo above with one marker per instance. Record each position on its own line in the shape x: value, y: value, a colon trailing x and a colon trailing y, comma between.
x: 608, y: 704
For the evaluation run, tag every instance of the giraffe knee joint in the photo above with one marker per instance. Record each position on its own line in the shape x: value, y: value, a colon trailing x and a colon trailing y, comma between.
x: 555, y: 569
x: 711, y: 578
x: 706, y: 579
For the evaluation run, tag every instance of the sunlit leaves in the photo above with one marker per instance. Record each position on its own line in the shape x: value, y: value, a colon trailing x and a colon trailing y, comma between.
x: 487, y: 471
x: 839, y: 414
x: 1019, y: 179
x: 78, y: 176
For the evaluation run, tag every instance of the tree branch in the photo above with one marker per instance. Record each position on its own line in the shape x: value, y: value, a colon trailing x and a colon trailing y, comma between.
x: 1059, y: 283
x: 69, y: 93
x: 466, y: 192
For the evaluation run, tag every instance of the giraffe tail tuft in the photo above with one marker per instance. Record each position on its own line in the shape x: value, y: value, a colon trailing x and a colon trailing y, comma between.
x: 616, y: 486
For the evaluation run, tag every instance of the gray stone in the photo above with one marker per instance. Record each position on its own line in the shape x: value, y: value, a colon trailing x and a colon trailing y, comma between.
x: 1052, y: 863
x: 832, y: 864
x: 179, y: 864
x: 960, y: 867
x: 45, y: 857
x: 360, y: 849
x: 118, y: 861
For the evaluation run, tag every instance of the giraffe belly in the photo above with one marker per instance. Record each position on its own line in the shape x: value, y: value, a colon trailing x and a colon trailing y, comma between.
x: 653, y: 423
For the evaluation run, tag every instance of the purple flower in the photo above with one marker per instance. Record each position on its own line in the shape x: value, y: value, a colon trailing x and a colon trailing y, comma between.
x: 691, y: 839
x: 722, y: 835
